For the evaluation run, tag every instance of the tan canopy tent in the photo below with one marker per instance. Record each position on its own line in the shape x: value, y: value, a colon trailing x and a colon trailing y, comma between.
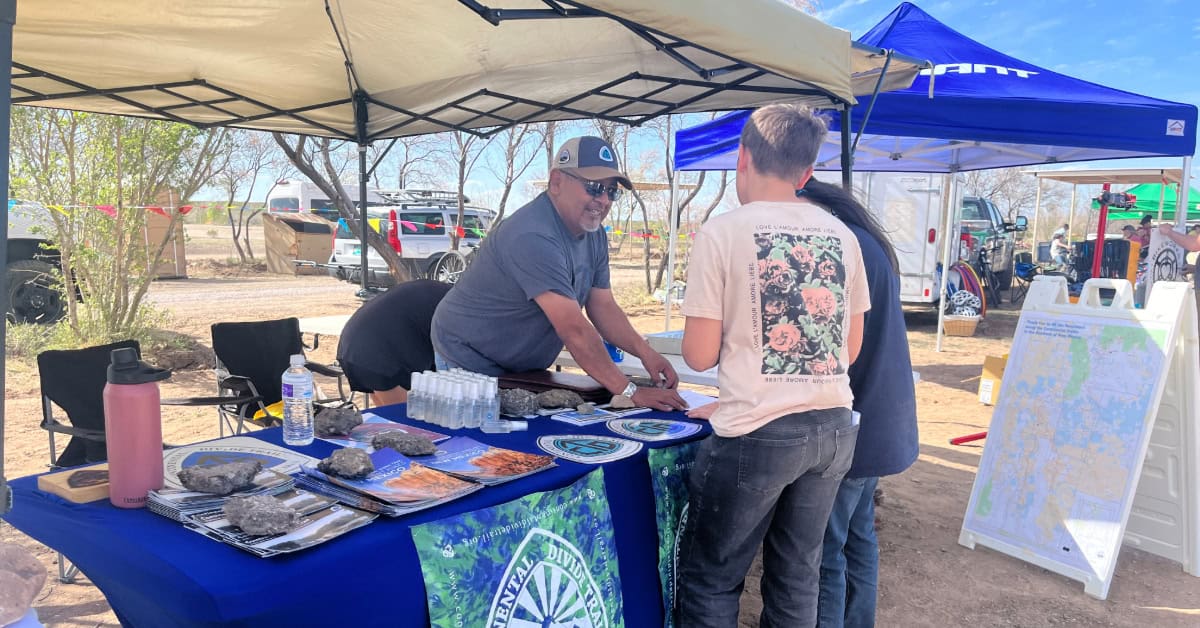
x: 366, y: 70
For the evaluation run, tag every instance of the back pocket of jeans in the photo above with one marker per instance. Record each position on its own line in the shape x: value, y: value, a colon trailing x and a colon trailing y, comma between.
x: 843, y: 452
x: 767, y: 466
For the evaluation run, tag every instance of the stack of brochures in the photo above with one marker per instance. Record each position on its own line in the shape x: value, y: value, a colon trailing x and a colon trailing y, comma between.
x: 401, y: 485
x: 361, y: 435
x: 177, y: 504
x: 321, y: 519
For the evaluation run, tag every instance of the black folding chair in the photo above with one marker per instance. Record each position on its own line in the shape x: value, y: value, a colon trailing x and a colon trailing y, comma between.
x: 251, y: 359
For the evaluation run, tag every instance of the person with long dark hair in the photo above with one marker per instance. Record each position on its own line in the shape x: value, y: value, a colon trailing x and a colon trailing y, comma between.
x: 882, y: 381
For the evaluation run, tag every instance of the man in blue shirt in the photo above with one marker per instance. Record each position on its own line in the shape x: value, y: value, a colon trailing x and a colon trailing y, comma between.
x: 519, y: 302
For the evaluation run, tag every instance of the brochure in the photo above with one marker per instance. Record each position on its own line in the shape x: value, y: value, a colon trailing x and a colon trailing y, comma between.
x: 233, y: 449
x: 397, y: 480
x: 372, y: 424
x: 177, y: 503
x: 322, y: 519
x: 468, y: 458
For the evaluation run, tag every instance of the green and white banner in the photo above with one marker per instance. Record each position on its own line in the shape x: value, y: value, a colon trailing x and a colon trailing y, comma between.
x: 546, y: 559
x: 669, y: 468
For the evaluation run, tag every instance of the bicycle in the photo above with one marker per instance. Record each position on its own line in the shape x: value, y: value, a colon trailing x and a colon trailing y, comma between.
x: 991, y: 282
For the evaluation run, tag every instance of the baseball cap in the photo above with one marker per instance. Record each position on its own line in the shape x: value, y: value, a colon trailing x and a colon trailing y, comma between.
x: 591, y: 158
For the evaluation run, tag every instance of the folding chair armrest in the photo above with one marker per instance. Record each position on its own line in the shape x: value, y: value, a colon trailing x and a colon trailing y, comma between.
x: 52, y: 425
x: 323, y: 369
x: 211, y: 401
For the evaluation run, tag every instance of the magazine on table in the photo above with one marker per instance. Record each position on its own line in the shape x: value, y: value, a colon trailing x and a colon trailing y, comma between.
x: 468, y: 458
x: 321, y: 519
x: 361, y: 435
x: 233, y: 449
x: 398, y: 480
x: 601, y: 414
x: 176, y: 503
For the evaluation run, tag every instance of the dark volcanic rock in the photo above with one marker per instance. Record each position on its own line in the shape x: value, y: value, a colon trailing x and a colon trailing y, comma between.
x: 558, y: 398
x: 336, y: 421
x: 518, y: 402
x: 407, y: 444
x: 260, y: 514
x: 220, y: 479
x: 348, y: 462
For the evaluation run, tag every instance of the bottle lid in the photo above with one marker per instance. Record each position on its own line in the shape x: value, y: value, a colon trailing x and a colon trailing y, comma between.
x: 297, y: 360
x: 518, y: 426
x: 126, y: 368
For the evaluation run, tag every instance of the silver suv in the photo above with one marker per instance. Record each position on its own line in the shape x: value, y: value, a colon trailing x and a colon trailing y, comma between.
x: 417, y: 224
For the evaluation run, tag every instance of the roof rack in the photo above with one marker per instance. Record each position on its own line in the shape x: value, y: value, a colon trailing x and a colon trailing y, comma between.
x: 409, y: 195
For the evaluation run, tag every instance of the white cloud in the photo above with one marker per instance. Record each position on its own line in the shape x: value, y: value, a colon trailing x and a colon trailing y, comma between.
x: 831, y: 15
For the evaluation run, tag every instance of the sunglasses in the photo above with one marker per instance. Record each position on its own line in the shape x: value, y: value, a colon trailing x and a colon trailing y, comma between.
x: 595, y: 188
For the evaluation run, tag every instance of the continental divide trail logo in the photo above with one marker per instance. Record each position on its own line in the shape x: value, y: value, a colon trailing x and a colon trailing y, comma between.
x: 546, y: 559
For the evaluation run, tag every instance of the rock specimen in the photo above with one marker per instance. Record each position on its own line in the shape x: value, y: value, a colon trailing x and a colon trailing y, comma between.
x: 260, y: 514
x: 220, y: 479
x: 407, y: 444
x: 586, y: 408
x: 336, y: 421
x: 348, y: 462
x: 621, y: 402
x: 558, y: 398
x: 518, y: 402
x: 21, y: 580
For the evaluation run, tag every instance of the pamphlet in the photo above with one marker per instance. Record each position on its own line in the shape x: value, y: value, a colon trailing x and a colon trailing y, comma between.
x: 468, y: 458
x: 398, y: 480
x: 233, y: 449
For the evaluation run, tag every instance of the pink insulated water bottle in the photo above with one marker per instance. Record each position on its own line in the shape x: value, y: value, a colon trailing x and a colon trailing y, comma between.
x: 133, y: 428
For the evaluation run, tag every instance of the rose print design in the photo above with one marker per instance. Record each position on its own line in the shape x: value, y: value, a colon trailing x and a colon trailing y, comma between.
x: 802, y: 292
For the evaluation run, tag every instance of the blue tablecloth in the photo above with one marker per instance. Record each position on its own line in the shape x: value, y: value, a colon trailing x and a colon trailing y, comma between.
x: 154, y: 572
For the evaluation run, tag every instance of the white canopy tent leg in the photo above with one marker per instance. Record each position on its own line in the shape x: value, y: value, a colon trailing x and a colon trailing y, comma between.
x: 673, y: 235
x: 1037, y: 209
x: 950, y: 240
x: 1071, y: 216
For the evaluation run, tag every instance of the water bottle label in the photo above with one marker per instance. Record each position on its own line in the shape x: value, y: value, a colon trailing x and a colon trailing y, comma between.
x: 292, y: 390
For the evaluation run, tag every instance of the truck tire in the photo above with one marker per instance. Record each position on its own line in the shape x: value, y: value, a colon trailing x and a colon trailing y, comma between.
x: 34, y: 295
x: 1005, y: 277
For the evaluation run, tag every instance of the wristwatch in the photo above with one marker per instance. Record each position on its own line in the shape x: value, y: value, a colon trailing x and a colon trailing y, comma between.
x: 629, y: 391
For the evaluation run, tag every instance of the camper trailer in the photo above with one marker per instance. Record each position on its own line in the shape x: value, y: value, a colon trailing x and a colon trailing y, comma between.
x: 302, y: 196
x: 912, y: 208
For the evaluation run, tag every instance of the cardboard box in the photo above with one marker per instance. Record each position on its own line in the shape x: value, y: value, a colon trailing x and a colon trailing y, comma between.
x: 292, y: 237
x: 989, y: 381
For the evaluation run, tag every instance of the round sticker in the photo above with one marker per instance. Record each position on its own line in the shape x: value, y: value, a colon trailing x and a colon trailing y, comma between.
x: 652, y: 429
x: 588, y: 449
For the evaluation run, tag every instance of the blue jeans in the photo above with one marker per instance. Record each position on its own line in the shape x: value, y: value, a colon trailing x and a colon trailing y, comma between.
x: 850, y: 564
x: 773, y: 488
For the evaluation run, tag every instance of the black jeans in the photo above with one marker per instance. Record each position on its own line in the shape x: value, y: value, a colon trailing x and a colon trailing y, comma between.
x: 774, y: 486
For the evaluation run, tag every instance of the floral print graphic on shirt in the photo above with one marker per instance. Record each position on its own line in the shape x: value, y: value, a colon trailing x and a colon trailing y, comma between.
x: 802, y: 299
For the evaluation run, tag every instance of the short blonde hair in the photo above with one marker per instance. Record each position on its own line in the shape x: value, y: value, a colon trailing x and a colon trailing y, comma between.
x: 784, y: 140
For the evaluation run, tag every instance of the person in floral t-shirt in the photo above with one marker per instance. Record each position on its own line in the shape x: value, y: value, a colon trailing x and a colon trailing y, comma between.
x: 776, y: 294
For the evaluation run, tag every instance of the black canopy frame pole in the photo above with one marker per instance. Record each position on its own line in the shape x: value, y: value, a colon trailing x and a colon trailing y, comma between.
x: 847, y: 151
x: 8, y: 15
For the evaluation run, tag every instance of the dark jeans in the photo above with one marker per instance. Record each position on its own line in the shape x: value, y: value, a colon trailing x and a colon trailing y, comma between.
x: 773, y: 487
x: 850, y: 563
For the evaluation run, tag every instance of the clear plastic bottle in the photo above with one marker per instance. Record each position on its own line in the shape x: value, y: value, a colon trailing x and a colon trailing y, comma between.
x: 416, y: 397
x: 297, y: 403
x: 504, y: 426
x: 492, y: 397
x: 456, y: 409
x: 473, y: 407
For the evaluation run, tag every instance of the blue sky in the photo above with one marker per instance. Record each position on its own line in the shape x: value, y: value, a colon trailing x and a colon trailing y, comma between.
x: 1149, y: 48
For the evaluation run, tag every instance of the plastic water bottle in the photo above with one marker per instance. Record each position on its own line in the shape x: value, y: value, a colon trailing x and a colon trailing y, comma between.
x: 134, y: 427
x: 416, y: 397
x: 457, y: 408
x: 474, y: 406
x: 297, y: 403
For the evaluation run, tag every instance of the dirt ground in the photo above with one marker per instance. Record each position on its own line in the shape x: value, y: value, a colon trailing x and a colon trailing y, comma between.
x: 926, y: 578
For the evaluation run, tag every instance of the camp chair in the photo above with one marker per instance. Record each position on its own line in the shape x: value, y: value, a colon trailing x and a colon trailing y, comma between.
x: 74, y: 381
x: 1024, y: 273
x: 251, y: 358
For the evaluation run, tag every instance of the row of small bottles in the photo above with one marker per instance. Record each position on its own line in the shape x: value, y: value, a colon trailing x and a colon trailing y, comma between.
x: 458, y: 399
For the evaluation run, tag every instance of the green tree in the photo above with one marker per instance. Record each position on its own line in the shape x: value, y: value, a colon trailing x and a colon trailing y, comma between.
x: 99, y: 174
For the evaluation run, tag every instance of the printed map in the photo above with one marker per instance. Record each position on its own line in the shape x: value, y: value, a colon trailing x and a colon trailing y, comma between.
x: 1067, y: 438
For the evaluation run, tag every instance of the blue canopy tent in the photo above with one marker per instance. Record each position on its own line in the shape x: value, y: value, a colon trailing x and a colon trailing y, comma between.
x: 988, y: 110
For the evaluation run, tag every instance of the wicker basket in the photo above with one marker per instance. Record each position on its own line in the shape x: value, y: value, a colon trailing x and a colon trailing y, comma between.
x: 960, y: 325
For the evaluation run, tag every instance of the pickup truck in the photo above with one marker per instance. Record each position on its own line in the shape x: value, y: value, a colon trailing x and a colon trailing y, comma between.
x: 34, y: 293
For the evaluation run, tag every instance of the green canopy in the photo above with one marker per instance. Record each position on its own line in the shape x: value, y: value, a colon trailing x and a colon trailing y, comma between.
x: 1147, y: 203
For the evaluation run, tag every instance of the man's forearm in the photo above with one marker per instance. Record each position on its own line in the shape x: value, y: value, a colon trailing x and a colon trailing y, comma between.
x: 588, y: 350
x: 1188, y: 242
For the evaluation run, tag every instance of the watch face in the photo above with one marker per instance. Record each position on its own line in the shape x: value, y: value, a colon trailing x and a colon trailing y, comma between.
x: 630, y: 388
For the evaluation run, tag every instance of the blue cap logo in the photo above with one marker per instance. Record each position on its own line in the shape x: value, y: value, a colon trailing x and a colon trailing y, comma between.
x: 605, y: 154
